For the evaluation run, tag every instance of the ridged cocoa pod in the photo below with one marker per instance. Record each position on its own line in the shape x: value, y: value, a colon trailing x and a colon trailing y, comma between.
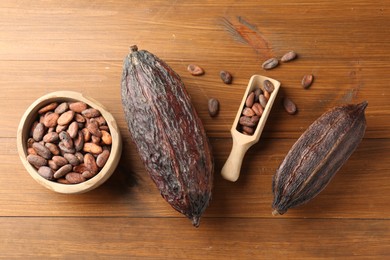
x: 167, y: 133
x: 317, y: 155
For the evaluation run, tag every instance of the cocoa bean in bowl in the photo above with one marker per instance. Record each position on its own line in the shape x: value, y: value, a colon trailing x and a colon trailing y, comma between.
x: 69, y: 143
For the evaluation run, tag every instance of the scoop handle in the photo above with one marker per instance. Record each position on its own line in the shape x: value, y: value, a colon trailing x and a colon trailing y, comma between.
x: 231, y: 170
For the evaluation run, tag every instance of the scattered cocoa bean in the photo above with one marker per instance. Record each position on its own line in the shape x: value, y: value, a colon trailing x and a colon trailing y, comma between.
x: 270, y: 64
x: 289, y: 106
x: 213, y: 107
x: 289, y: 56
x: 307, y: 80
x: 195, y: 70
x: 226, y: 77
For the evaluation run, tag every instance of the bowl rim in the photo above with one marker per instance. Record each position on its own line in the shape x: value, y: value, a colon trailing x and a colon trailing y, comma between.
x: 25, y: 126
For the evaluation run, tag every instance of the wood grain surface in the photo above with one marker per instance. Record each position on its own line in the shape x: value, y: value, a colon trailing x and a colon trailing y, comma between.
x: 47, y: 46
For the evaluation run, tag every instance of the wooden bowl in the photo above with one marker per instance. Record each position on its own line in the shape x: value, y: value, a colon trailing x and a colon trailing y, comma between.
x: 23, y: 134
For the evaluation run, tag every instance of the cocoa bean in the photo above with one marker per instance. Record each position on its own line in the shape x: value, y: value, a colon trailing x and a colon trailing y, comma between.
x: 64, y: 149
x: 78, y: 106
x: 93, y: 128
x: 66, y: 140
x: 289, y: 56
x: 73, y: 129
x: 88, y: 174
x: 213, y: 106
x: 247, y: 111
x: 60, y: 128
x: 246, y: 121
x: 79, y: 118
x: 63, y: 107
x: 31, y: 150
x: 255, y: 119
x: 71, y: 158
x: 258, y: 109
x: 63, y: 171
x: 46, y: 172
x: 92, y: 148
x: 74, y: 178
x: 66, y: 117
x: 263, y: 100
x: 79, y: 141
x: 39, y: 132
x: 36, y: 160
x: 90, y: 163
x: 106, y: 137
x: 95, y: 140
x: 90, y: 113
x: 30, y: 142
x: 258, y: 92
x: 307, y: 80
x: 52, y: 165
x: 289, y: 106
x: 50, y: 119
x: 100, y: 120
x: 250, y: 99
x: 59, y: 160
x: 48, y: 107
x: 266, y: 95
x: 268, y: 86
x: 51, y: 137
x: 195, y: 70
x: 63, y: 181
x: 270, y: 64
x: 248, y: 130
x: 102, y: 158
x: 86, y: 134
x: 79, y: 156
x: 80, y: 168
x: 104, y: 127
x: 33, y: 127
x: 53, y: 148
x: 226, y: 77
x: 42, y: 150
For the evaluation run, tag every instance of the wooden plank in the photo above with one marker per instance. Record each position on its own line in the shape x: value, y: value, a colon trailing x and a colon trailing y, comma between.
x: 101, y: 80
x: 182, y: 30
x: 174, y: 238
x: 359, y: 190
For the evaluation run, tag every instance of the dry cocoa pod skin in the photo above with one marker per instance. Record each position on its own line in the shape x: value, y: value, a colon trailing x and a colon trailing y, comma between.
x: 317, y: 155
x: 167, y: 132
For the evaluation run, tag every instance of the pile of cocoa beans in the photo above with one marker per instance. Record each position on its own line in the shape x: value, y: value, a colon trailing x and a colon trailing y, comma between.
x: 69, y: 142
x: 253, y: 108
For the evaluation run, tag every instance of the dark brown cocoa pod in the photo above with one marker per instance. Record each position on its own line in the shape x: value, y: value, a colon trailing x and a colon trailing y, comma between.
x: 317, y: 155
x: 167, y: 132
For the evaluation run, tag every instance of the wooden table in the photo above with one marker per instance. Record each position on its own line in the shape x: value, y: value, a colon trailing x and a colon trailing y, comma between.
x: 47, y: 46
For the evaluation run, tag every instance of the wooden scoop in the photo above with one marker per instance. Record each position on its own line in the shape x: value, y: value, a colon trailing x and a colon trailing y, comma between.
x: 242, y: 142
